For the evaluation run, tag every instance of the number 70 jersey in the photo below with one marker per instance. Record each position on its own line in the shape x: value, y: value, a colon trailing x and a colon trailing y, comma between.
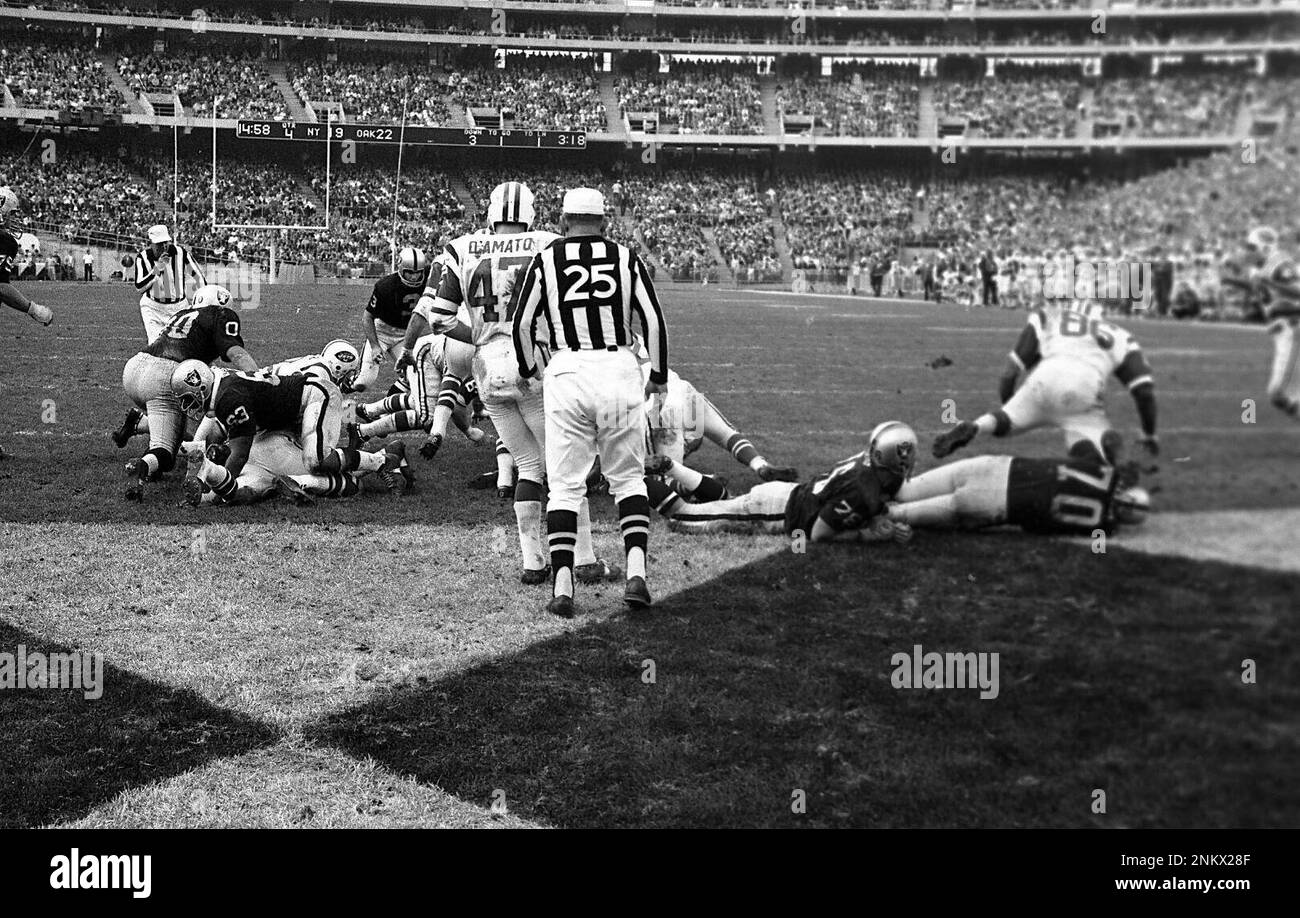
x: 481, y: 273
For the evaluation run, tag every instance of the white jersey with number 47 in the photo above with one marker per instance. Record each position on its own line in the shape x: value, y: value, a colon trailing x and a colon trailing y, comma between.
x: 1095, y: 343
x: 480, y: 273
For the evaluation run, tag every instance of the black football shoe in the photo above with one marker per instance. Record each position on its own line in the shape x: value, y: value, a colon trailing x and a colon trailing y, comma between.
x: 431, y: 445
x: 769, y: 472
x: 636, y: 595
x: 394, y: 459
x: 561, y: 605
x: 952, y: 440
x: 597, y: 571
x: 122, y: 436
x: 531, y: 577
x: 290, y: 490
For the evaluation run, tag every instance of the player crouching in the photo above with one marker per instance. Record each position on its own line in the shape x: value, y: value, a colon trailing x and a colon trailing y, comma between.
x: 293, y: 423
x: 1077, y: 495
x: 849, y: 503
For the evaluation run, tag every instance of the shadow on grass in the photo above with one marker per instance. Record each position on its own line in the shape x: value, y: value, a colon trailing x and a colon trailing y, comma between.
x: 775, y: 679
x: 65, y: 754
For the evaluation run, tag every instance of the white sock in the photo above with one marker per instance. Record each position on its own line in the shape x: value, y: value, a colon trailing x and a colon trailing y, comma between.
x: 636, y: 563
x: 687, y: 477
x: 371, y: 462
x: 528, y: 516
x: 564, y: 583
x: 505, y: 470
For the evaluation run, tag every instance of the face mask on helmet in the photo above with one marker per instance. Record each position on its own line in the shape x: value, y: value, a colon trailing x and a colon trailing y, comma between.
x: 893, y: 447
x: 412, y: 266
x: 1131, y: 506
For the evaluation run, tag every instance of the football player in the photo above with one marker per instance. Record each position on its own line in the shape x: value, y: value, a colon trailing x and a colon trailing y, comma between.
x: 479, y: 278
x: 389, y: 311
x: 417, y: 409
x: 307, y: 410
x: 1276, y: 279
x: 207, y: 330
x: 1077, y: 495
x: 1066, y: 355
x: 11, y: 295
x: 847, y: 504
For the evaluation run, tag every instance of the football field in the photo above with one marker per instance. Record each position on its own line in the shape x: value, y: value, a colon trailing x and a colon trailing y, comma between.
x: 376, y: 662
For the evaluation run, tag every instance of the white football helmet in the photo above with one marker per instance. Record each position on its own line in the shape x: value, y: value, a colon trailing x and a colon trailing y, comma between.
x: 343, y: 362
x: 511, y: 202
x: 893, y: 446
x: 211, y: 295
x: 412, y: 266
x: 8, y: 202
x: 192, y: 384
x: 1131, y: 506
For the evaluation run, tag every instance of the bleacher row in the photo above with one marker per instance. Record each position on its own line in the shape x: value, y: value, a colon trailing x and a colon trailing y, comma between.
x: 866, y: 100
x: 690, y: 221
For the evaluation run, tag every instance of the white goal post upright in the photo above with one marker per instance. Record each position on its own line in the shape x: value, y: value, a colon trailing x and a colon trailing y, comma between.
x: 397, y: 185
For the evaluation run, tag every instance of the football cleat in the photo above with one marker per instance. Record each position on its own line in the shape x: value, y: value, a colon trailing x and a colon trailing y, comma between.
x: 193, y: 489
x: 123, y: 434
x: 598, y: 485
x: 658, y: 465
x: 636, y: 595
x: 362, y: 414
x: 597, y: 571
x: 430, y: 447
x: 217, y: 453
x: 354, y: 436
x: 482, y: 482
x: 561, y: 605
x: 395, y: 456
x: 769, y: 472
x: 531, y: 577
x: 289, y: 489
x: 137, y: 471
x: 951, y: 440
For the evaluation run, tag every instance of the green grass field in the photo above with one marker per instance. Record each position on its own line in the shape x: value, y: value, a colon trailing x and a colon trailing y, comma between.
x: 375, y: 662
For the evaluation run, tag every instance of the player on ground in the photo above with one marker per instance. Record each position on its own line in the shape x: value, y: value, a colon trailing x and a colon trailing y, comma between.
x: 206, y: 331
x: 848, y: 504
x: 479, y: 278
x: 307, y: 409
x: 1077, y: 495
x: 1066, y: 356
x: 417, y: 408
x: 11, y: 295
x: 1277, y: 279
x: 387, y: 314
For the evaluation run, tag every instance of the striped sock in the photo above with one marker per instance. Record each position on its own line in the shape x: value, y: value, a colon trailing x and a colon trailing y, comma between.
x: 660, y: 496
x: 742, y: 449
x: 634, y: 521
x: 562, y: 529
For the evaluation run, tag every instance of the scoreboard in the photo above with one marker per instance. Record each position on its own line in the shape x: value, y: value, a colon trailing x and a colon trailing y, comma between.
x: 414, y: 135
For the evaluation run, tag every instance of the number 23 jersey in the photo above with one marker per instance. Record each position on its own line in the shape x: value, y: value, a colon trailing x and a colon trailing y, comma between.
x: 482, y: 271
x: 246, y: 403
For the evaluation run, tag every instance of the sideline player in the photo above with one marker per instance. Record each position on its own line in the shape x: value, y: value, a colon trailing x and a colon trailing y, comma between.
x: 1077, y: 495
x: 11, y: 295
x: 848, y: 504
x: 1066, y: 356
x: 478, y: 280
x: 590, y: 289
x: 207, y: 330
x: 162, y: 275
x: 387, y: 314
x: 1276, y: 276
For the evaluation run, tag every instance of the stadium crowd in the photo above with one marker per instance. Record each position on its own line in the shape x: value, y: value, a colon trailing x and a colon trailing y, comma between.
x: 56, y: 76
x: 696, y: 99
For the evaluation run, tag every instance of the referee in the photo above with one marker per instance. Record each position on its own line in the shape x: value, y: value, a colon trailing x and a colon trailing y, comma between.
x: 161, y: 272
x: 589, y: 289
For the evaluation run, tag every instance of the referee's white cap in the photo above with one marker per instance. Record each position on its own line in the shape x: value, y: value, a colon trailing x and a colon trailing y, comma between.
x: 584, y: 201
x: 159, y: 233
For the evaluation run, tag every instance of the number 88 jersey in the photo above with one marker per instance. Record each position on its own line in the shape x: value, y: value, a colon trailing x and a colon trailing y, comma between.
x: 1096, y: 343
x: 480, y: 274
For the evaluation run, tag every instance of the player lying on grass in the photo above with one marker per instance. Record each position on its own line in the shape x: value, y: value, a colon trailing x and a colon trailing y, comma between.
x: 427, y: 405
x: 1065, y: 355
x: 207, y: 330
x: 1075, y: 495
x: 305, y: 411
x: 846, y: 504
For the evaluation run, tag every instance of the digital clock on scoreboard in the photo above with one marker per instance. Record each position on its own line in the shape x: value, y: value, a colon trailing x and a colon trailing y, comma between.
x: 414, y: 135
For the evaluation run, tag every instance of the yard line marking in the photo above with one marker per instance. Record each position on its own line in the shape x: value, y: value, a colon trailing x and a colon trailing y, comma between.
x: 1251, y: 538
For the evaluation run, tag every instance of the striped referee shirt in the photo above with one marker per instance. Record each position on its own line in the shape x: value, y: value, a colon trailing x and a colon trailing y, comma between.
x: 170, y: 286
x: 588, y: 289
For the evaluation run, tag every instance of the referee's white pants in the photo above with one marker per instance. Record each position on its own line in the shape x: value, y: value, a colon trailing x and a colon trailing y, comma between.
x: 595, y: 405
x: 156, y: 315
x: 1284, y: 380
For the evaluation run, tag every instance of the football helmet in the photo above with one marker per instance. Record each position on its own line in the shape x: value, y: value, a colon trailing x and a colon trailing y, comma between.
x: 8, y: 202
x: 412, y: 266
x: 1130, y: 506
x: 892, y: 446
x: 211, y: 295
x: 511, y: 202
x: 343, y: 362
x: 192, y: 384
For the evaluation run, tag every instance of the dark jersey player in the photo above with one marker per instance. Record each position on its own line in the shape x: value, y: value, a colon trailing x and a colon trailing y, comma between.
x: 849, y: 503
x: 9, y: 251
x: 388, y: 313
x: 1077, y: 495
x: 206, y: 331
